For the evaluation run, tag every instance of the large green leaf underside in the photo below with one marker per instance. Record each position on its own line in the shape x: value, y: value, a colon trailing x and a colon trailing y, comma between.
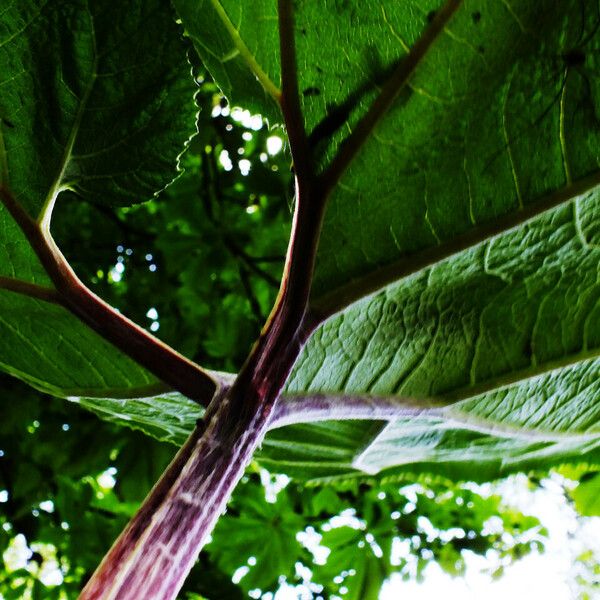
x: 512, y: 308
x: 502, y: 113
x: 17, y: 258
x: 506, y: 335
x: 500, y: 116
x: 46, y: 346
x: 96, y: 98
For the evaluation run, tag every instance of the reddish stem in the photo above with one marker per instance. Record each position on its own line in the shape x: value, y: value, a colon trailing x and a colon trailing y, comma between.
x: 154, y: 554
x: 160, y: 359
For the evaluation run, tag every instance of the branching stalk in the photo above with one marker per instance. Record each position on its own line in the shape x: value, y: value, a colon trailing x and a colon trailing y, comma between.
x: 162, y: 541
x: 154, y: 554
x: 161, y: 360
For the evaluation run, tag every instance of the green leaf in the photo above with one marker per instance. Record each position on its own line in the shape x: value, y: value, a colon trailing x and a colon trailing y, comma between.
x: 238, y: 44
x: 503, y: 336
x: 86, y: 108
x: 495, y: 122
x: 48, y: 347
x: 587, y: 494
x: 458, y: 258
x: 353, y: 558
x: 85, y: 103
x: 168, y: 417
x: 266, y: 532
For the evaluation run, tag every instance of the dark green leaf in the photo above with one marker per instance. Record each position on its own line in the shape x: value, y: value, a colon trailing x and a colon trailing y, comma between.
x: 96, y: 99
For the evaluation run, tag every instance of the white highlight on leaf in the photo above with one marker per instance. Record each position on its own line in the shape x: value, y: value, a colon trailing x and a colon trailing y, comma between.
x: 106, y: 479
x: 17, y: 554
x: 239, y: 574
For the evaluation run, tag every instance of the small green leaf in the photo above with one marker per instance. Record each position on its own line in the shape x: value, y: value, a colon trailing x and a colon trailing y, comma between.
x: 587, y: 494
x: 266, y: 532
x: 238, y: 43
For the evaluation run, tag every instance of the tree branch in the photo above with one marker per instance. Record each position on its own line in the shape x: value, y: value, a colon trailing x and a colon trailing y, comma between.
x: 161, y: 360
x: 249, y: 261
x: 209, y: 195
x: 399, y: 78
x: 252, y: 299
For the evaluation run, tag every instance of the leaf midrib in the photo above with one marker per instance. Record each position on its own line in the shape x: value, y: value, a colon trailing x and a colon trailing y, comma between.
x: 518, y: 377
x: 339, y: 298
x: 245, y: 53
x: 45, y: 215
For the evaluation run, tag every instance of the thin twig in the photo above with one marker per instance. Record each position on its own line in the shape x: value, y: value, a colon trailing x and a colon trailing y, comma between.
x: 254, y: 304
x: 209, y: 195
x: 399, y: 78
x: 249, y: 261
